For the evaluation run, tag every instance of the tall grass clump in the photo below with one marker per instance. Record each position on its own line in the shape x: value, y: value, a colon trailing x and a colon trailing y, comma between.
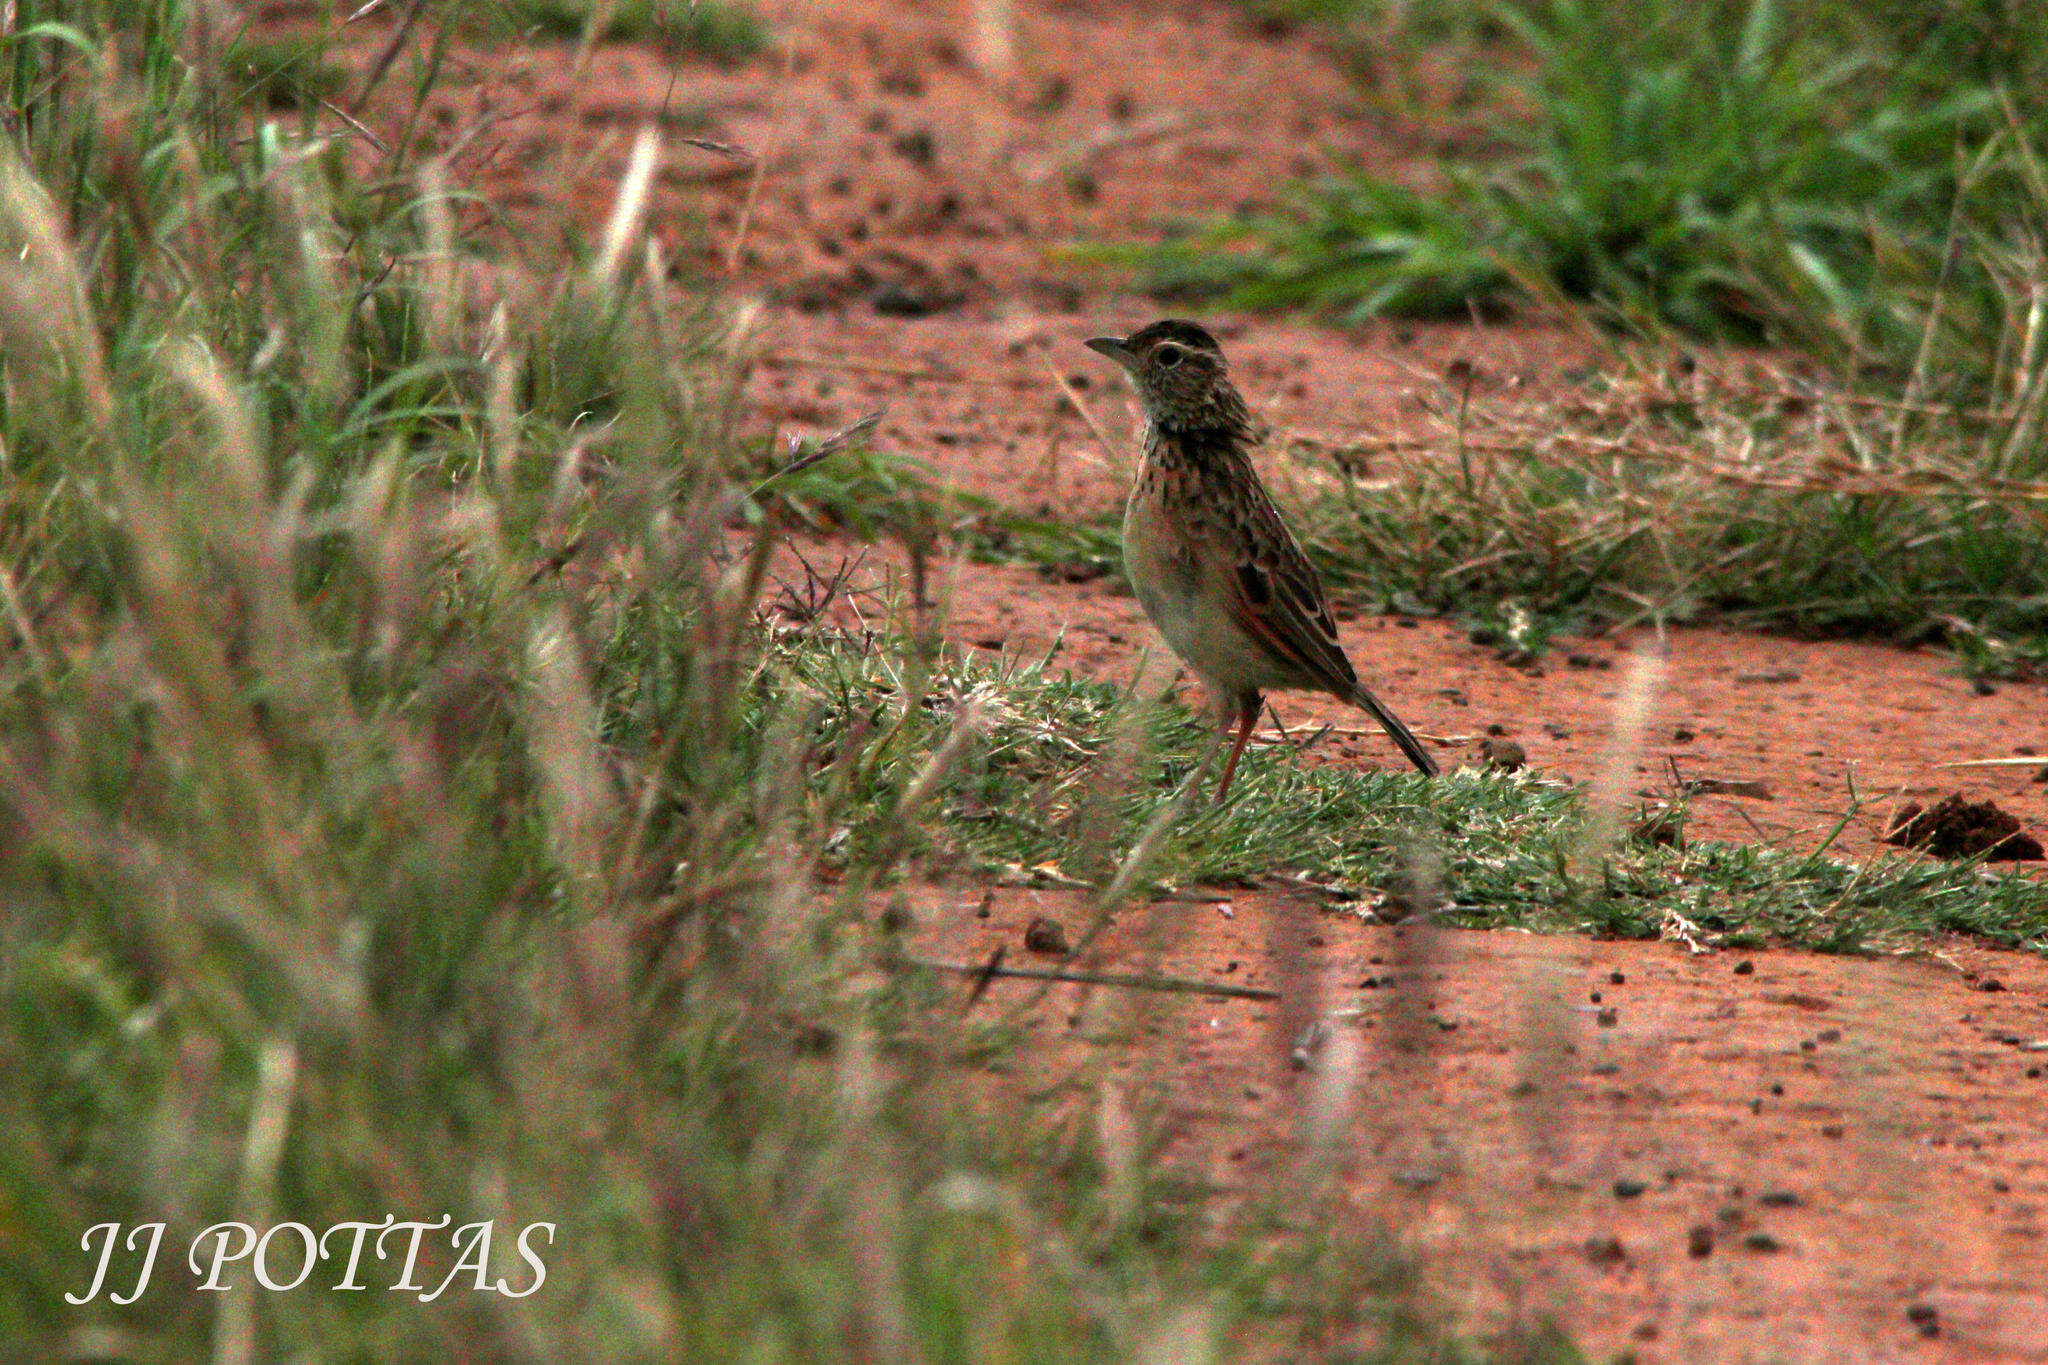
x: 406, y: 814
x: 1818, y: 176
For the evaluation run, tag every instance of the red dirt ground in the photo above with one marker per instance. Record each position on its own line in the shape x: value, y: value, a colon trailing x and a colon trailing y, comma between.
x: 1877, y: 1121
x: 896, y: 176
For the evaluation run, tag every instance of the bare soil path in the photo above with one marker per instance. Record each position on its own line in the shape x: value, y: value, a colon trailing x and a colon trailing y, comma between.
x: 1751, y: 1157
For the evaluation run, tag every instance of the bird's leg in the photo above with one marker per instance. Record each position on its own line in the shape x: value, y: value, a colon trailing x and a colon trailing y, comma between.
x: 1247, y: 712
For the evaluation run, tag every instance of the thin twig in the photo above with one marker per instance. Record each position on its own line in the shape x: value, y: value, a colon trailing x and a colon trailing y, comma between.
x: 1132, y: 980
x: 1109, y: 447
x: 712, y: 144
x: 2025, y: 761
x: 381, y: 66
x: 760, y: 175
x: 802, y: 454
x: 357, y: 125
x: 854, y: 366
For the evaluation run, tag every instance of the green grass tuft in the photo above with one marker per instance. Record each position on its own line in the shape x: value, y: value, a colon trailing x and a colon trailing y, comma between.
x: 1046, y: 788
x: 1735, y: 170
x: 728, y: 32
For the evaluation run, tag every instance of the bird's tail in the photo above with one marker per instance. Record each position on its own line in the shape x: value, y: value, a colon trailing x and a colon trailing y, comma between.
x: 1399, y: 733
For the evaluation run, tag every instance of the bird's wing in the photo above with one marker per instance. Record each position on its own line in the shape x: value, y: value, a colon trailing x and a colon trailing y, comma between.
x: 1277, y: 598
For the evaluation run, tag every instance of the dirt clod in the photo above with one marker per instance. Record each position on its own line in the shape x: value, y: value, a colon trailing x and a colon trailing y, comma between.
x: 1047, y: 936
x: 1762, y: 1243
x: 1956, y: 828
x: 1605, y: 1251
x: 893, y: 283
x: 1699, y: 1241
x: 1503, y: 755
x: 1745, y: 968
x: 918, y: 147
x: 812, y: 1040
x: 1924, y: 1318
x: 1629, y: 1189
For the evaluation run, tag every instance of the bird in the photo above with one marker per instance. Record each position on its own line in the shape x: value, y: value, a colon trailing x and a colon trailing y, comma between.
x: 1207, y: 552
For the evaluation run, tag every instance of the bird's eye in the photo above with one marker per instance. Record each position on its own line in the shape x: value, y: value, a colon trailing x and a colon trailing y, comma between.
x: 1169, y: 355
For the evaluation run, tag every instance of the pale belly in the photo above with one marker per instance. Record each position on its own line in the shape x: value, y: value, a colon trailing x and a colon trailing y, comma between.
x: 1186, y: 599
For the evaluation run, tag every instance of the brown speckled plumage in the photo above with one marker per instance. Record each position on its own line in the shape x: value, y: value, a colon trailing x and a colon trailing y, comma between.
x: 1206, y: 551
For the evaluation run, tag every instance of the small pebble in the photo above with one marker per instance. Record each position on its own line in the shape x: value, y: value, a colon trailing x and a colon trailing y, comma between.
x: 1047, y: 936
x: 1605, y: 1251
x: 1745, y: 968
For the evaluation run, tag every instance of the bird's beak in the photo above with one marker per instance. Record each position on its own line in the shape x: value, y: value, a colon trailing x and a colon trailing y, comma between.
x: 1114, y: 348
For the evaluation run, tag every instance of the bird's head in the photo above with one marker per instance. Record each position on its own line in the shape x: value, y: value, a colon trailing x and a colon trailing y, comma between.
x: 1181, y: 376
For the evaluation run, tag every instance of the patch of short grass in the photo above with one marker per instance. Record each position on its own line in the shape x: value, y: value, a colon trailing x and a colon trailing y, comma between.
x: 728, y: 32
x: 1667, y: 495
x: 1066, y: 776
x: 1649, y: 493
